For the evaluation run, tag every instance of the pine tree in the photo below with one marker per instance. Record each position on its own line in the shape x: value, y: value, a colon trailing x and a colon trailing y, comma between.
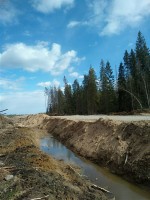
x: 122, y: 104
x: 84, y: 90
x: 68, y: 102
x: 143, y: 70
x: 108, y: 96
x: 128, y: 86
x: 60, y: 102
x: 92, y: 92
x: 76, y: 97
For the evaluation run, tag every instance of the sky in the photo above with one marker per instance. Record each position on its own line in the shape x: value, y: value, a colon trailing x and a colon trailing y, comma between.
x: 41, y: 41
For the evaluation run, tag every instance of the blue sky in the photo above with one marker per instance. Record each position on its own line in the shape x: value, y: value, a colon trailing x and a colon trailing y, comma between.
x: 43, y: 40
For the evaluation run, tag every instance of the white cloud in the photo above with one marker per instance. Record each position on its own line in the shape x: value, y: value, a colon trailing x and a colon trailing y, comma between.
x: 23, y: 102
x: 72, y: 24
x: 125, y: 13
x: 70, y: 69
x: 55, y: 83
x: 113, y: 16
x: 97, y: 9
x: 48, y: 6
x: 38, y: 57
x: 27, y: 33
x: 75, y: 75
x: 95, y: 14
x: 8, y: 13
x: 9, y: 84
x: 48, y: 83
x: 44, y: 84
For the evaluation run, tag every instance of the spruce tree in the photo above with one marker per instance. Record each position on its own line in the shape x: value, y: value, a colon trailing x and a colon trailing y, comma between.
x: 68, y: 102
x: 122, y: 104
x: 143, y: 70
x: 108, y: 96
x: 92, y: 92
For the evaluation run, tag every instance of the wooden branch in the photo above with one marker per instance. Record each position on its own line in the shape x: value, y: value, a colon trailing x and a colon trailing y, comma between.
x: 74, y: 170
x: 133, y: 96
x: 2, y: 155
x: 126, y: 159
x: 77, y: 172
x: 100, y: 188
x: 7, y: 167
x: 39, y: 198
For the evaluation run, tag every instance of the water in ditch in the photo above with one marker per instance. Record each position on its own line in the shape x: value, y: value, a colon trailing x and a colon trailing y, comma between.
x: 121, y: 189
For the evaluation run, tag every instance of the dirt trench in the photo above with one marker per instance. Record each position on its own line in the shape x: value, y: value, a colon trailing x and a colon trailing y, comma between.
x: 123, y: 147
x: 27, y: 173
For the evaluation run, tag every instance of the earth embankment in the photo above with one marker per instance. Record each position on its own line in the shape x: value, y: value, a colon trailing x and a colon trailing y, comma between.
x: 121, y: 144
x: 123, y: 147
x: 27, y: 173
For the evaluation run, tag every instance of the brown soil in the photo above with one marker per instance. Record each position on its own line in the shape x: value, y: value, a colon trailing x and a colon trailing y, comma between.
x: 35, y: 174
x: 123, y: 147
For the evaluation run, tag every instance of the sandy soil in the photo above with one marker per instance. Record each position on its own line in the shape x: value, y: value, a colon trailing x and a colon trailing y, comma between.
x: 121, y: 144
x: 27, y: 173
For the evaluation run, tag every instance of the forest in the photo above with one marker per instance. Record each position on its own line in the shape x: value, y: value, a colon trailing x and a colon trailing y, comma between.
x: 105, y: 94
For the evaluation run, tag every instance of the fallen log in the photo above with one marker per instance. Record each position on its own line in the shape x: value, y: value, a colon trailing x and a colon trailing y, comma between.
x: 39, y: 198
x: 77, y: 172
x: 2, y: 155
x: 11, y: 167
x: 100, y: 188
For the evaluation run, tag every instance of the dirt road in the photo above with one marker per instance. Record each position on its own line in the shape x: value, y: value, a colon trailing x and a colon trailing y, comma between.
x: 91, y: 118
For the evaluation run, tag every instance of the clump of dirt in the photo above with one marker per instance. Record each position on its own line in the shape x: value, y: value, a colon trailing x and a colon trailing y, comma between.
x: 5, y: 122
x: 27, y: 173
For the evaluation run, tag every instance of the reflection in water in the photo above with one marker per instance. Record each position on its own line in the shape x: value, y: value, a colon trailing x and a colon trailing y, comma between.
x: 122, y: 189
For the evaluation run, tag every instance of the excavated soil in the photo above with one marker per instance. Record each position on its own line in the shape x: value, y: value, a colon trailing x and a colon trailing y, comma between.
x: 122, y: 146
x: 27, y: 173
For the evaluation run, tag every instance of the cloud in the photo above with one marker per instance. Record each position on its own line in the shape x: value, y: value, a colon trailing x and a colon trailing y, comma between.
x: 23, y: 102
x: 97, y: 10
x: 110, y: 17
x: 125, y: 13
x: 38, y: 57
x: 8, y: 84
x: 70, y: 69
x: 44, y: 84
x: 8, y: 13
x: 75, y: 75
x: 48, y: 83
x: 48, y: 6
x: 73, y: 24
x: 27, y: 33
x: 94, y: 16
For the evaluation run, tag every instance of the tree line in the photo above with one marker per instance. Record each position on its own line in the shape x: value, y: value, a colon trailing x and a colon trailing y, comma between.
x: 129, y: 91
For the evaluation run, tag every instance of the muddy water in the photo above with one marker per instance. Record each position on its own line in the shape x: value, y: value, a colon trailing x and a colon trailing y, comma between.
x: 121, y: 189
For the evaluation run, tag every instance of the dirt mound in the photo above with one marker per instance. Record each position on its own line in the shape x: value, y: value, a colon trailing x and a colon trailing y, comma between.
x: 123, y: 147
x: 5, y: 122
x: 30, y: 120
